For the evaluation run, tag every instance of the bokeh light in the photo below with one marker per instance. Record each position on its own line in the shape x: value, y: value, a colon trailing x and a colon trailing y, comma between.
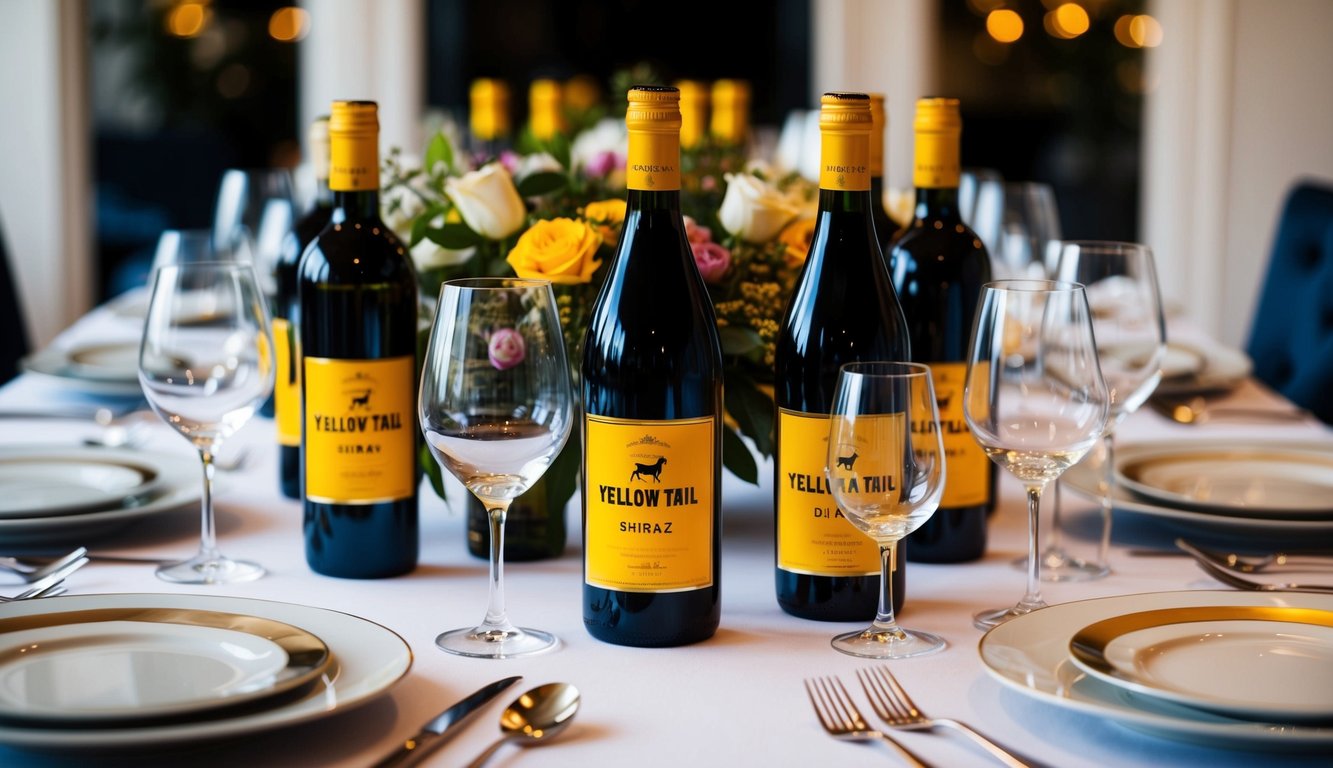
x: 1004, y: 25
x: 288, y: 25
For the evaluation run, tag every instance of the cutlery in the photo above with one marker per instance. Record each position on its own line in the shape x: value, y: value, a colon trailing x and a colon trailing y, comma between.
x: 1277, y: 561
x: 840, y: 717
x: 31, y: 574
x: 437, y: 730
x: 1227, y: 576
x: 1197, y: 410
x: 897, y: 709
x: 534, y: 718
x: 46, y: 585
x: 35, y: 566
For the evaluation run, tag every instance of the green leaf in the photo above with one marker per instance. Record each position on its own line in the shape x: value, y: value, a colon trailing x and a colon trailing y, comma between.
x: 752, y: 409
x: 432, y: 470
x: 440, y: 150
x: 542, y: 183
x: 739, y: 341
x: 455, y: 237
x: 422, y: 223
x: 736, y: 457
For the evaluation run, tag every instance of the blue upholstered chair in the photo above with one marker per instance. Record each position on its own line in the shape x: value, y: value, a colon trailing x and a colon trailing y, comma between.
x: 1291, y: 339
x: 13, y: 331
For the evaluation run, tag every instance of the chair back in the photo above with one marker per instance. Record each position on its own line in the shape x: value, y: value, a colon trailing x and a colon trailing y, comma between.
x: 1291, y: 337
x: 13, y: 329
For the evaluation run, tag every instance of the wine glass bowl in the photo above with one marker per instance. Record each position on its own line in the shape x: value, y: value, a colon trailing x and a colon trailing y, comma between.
x: 496, y: 407
x: 886, y: 472
x: 1035, y: 398
x: 206, y: 365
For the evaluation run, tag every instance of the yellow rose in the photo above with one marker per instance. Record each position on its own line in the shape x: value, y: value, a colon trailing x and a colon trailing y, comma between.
x: 608, y: 214
x: 796, y: 237
x: 559, y: 250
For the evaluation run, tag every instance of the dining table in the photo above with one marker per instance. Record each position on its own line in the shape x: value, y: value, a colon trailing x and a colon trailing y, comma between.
x: 737, y: 699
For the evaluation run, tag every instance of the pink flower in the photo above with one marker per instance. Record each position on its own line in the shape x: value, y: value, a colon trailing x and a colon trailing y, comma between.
x: 695, y: 233
x: 511, y: 160
x: 506, y: 348
x: 712, y: 259
x: 601, y: 164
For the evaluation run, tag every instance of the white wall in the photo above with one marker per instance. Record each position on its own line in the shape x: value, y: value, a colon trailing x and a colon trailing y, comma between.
x: 45, y: 187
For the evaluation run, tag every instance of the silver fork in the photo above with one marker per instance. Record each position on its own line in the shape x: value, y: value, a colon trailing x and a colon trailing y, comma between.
x: 840, y: 717
x: 897, y: 709
x: 1230, y: 577
x: 52, y: 583
x: 1264, y: 563
x: 31, y: 573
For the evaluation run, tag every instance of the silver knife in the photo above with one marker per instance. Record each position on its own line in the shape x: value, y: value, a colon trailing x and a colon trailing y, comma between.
x: 437, y: 731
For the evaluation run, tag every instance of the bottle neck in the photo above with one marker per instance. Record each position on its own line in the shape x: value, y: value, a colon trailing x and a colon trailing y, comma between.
x: 845, y: 203
x: 645, y: 200
x: 356, y: 205
x: 937, y: 203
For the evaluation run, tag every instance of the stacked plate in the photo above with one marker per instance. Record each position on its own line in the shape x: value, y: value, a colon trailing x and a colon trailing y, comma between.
x: 1261, y: 489
x: 58, y: 493
x: 1220, y: 668
x: 110, y: 368
x: 1201, y: 367
x: 145, y: 670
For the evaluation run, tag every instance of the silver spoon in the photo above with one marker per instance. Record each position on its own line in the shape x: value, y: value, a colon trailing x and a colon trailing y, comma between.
x: 534, y: 718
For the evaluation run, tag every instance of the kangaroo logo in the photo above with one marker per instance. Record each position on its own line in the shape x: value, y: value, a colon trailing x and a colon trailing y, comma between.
x: 653, y: 470
x: 943, y: 402
x: 846, y: 462
x: 362, y: 401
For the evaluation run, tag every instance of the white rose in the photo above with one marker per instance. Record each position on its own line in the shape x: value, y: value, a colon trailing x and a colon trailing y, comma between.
x: 427, y: 255
x: 754, y: 211
x: 540, y: 162
x: 488, y: 201
x: 608, y: 135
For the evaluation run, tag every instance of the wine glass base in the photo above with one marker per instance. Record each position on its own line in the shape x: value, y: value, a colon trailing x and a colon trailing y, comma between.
x: 210, y: 570
x: 994, y: 618
x: 874, y: 643
x: 484, y: 643
x: 1058, y: 565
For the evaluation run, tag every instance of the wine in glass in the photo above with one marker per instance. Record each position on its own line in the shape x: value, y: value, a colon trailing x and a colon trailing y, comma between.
x: 886, y: 472
x: 1121, y: 284
x: 1035, y: 398
x: 496, y: 407
x: 206, y: 364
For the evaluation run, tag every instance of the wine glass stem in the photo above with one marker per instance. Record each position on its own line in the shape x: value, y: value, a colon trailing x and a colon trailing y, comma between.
x: 1108, y: 484
x: 1053, y: 537
x: 884, y: 618
x: 1033, y: 596
x: 496, y: 620
x: 208, y: 537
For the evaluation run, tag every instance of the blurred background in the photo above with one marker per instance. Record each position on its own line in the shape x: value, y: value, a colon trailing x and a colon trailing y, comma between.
x: 1179, y: 123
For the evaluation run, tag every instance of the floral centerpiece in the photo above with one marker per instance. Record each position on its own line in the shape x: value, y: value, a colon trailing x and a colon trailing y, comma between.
x: 555, y: 214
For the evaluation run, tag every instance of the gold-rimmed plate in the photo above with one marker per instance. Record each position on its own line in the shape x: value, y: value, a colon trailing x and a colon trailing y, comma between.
x: 114, y: 665
x: 1257, y: 662
x: 46, y: 481
x: 110, y: 368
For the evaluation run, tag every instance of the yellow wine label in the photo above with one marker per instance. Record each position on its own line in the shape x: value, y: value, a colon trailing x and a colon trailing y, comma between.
x: 287, y: 385
x: 938, y: 128
x: 868, y: 453
x: 649, y: 503
x: 967, y: 476
x: 354, y: 146
x: 844, y: 161
x: 878, y: 122
x: 360, y: 429
x: 813, y: 535
x: 654, y: 162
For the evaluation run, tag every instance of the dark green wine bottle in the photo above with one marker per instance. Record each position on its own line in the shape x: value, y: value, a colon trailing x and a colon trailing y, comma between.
x: 885, y: 228
x: 652, y: 398
x: 843, y: 310
x: 286, y: 313
x: 939, y: 266
x: 358, y: 327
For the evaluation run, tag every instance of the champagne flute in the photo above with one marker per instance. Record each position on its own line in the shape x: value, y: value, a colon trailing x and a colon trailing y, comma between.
x: 1035, y: 398
x: 886, y: 471
x: 496, y: 408
x: 205, y: 365
x: 1127, y: 318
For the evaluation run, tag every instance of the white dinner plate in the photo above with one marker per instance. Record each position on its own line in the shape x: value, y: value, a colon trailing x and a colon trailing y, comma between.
x: 115, y: 665
x: 368, y: 660
x: 1085, y: 478
x: 1202, y: 367
x: 1232, y: 477
x: 42, y: 482
x: 1030, y: 654
x: 1254, y: 662
x: 180, y: 485
x: 110, y: 368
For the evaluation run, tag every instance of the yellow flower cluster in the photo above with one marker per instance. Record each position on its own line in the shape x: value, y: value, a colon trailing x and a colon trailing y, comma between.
x: 759, y: 308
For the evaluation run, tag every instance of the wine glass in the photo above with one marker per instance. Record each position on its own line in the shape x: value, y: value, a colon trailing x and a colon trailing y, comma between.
x: 1127, y: 318
x: 1035, y: 398
x: 496, y: 408
x: 1020, y: 226
x: 184, y: 246
x: 205, y: 365
x: 254, y: 212
x: 886, y: 471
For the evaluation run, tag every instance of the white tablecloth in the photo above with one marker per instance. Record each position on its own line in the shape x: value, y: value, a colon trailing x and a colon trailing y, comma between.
x: 734, y: 700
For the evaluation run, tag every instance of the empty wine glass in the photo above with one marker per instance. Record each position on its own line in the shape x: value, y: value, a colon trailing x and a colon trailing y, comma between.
x: 496, y: 407
x: 886, y: 471
x: 184, y: 246
x: 1020, y: 226
x: 254, y: 212
x: 1035, y: 398
x: 1127, y: 318
x: 205, y: 365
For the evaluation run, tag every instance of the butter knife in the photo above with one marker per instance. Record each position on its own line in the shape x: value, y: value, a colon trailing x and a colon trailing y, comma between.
x: 437, y: 731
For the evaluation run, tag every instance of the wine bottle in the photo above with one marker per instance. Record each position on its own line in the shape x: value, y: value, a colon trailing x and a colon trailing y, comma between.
x: 729, y: 124
x: 885, y: 229
x: 358, y: 328
x: 286, y: 313
x: 546, y: 118
x: 652, y: 398
x: 488, y: 117
x: 693, y: 113
x: 843, y: 310
x: 939, y: 266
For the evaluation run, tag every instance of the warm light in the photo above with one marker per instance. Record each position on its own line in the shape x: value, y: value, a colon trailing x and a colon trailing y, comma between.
x: 287, y: 25
x: 1122, y: 32
x: 1146, y: 31
x: 188, y: 19
x: 1004, y: 25
x: 1067, y: 22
